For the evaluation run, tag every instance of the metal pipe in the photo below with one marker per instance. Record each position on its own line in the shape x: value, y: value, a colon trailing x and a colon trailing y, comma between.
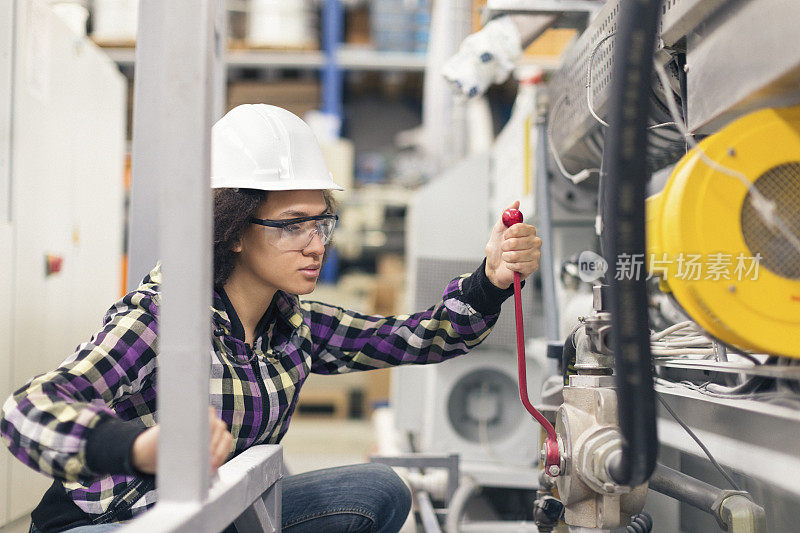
x: 427, y: 514
x: 734, y: 510
x: 466, y: 489
x: 684, y: 488
x: 546, y: 264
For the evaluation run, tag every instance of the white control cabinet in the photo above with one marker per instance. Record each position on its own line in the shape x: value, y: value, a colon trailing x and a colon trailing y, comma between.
x: 62, y: 148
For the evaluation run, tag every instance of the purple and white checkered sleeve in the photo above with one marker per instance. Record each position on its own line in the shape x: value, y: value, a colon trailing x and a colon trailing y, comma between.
x: 343, y: 340
x: 48, y: 424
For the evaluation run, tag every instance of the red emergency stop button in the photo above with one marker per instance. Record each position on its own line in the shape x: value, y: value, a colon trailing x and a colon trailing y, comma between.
x: 53, y: 264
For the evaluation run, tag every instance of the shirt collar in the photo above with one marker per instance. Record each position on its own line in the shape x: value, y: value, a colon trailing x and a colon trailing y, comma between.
x: 288, y: 305
x: 224, y: 315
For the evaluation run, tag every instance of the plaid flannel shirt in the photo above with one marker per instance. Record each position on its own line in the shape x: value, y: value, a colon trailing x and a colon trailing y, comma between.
x: 78, y: 422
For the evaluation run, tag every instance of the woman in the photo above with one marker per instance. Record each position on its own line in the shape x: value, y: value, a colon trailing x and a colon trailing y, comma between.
x: 91, y: 423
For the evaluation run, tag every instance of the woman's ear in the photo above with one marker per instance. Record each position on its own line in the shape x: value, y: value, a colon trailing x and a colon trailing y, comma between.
x: 237, y: 247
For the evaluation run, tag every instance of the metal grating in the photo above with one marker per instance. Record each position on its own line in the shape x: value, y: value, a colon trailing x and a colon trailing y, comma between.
x: 433, y: 276
x: 780, y: 184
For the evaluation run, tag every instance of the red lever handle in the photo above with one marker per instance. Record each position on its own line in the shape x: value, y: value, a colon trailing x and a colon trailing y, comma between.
x: 552, y: 455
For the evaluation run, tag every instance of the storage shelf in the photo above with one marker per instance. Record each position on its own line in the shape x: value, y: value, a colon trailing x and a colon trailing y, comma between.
x: 542, y: 6
x: 347, y: 59
x: 311, y: 59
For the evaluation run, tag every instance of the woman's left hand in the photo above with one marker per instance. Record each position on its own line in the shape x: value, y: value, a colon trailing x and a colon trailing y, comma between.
x: 509, y: 250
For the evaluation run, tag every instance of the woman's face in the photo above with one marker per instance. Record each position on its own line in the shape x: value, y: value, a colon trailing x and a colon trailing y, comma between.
x: 262, y: 258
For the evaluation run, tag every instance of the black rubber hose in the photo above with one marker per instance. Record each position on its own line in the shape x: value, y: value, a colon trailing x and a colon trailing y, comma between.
x: 568, y: 356
x: 640, y: 523
x: 625, y: 178
x: 685, y: 488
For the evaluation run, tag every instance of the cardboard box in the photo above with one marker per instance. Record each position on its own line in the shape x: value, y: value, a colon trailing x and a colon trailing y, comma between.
x: 551, y: 43
x: 357, y: 26
x: 297, y: 96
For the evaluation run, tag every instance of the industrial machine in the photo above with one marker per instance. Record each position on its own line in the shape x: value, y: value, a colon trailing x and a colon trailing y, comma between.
x: 676, y: 402
x: 698, y: 310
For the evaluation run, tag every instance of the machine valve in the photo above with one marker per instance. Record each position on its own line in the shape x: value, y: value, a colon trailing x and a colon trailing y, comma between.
x: 552, y: 456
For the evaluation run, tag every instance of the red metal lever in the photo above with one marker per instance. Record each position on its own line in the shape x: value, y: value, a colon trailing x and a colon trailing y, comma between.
x: 551, y: 454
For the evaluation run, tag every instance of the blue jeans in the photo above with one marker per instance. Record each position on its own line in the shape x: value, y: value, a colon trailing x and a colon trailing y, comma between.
x: 365, y: 498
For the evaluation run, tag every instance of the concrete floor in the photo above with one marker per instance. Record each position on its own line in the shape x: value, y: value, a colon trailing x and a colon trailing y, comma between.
x: 312, y: 444
x: 19, y: 526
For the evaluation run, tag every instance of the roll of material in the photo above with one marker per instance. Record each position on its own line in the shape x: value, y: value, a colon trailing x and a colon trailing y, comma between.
x: 115, y: 20
x: 277, y: 23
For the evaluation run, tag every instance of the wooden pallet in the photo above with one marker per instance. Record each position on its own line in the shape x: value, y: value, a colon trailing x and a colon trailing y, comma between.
x: 333, y: 403
x: 124, y: 43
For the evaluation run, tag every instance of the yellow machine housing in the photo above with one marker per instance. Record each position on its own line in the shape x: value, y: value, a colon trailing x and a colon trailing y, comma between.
x: 706, y: 213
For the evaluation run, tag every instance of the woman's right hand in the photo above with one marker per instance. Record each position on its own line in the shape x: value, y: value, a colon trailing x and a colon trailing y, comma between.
x: 144, y: 452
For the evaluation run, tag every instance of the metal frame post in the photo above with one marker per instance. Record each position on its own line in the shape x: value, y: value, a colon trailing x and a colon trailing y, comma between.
x: 148, y: 108
x: 147, y: 112
x: 179, y: 63
x: 220, y: 59
x: 173, y: 121
x: 547, y: 264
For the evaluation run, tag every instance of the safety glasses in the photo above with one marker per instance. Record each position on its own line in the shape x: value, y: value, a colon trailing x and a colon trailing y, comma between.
x: 294, y: 234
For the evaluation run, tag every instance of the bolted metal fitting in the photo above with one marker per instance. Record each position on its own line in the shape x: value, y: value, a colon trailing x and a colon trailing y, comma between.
x: 547, y: 511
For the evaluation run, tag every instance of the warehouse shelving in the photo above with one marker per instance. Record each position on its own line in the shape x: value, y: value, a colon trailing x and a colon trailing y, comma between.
x: 543, y: 6
x: 346, y: 59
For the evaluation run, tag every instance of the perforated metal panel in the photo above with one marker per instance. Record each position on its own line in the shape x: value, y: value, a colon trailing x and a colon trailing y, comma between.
x: 780, y: 184
x: 433, y: 276
x: 576, y: 136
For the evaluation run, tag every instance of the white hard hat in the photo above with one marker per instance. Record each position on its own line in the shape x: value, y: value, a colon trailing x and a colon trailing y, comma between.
x: 259, y: 146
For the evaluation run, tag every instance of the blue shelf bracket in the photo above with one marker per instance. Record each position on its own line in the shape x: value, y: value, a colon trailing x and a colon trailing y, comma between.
x: 332, y: 75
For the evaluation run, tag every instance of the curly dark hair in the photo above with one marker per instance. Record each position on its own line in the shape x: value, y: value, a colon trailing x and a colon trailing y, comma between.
x: 233, y: 209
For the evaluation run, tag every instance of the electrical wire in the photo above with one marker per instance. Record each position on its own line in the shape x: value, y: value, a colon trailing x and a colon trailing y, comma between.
x: 589, y: 101
x: 675, y: 327
x: 662, y: 125
x: 672, y: 352
x: 682, y: 339
x: 723, y: 345
x: 589, y: 65
x: 575, y: 178
x: 694, y: 437
x: 792, y: 385
x: 777, y: 398
x: 744, y: 355
x: 764, y: 207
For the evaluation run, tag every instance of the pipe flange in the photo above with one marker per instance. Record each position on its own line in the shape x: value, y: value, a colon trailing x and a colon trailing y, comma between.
x: 593, y: 453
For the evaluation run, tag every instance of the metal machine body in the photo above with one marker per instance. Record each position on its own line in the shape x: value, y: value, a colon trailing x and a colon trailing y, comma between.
x: 725, y: 73
x: 722, y: 67
x: 588, y: 432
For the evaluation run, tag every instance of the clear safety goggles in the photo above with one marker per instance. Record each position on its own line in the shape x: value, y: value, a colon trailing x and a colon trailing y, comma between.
x: 294, y: 234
